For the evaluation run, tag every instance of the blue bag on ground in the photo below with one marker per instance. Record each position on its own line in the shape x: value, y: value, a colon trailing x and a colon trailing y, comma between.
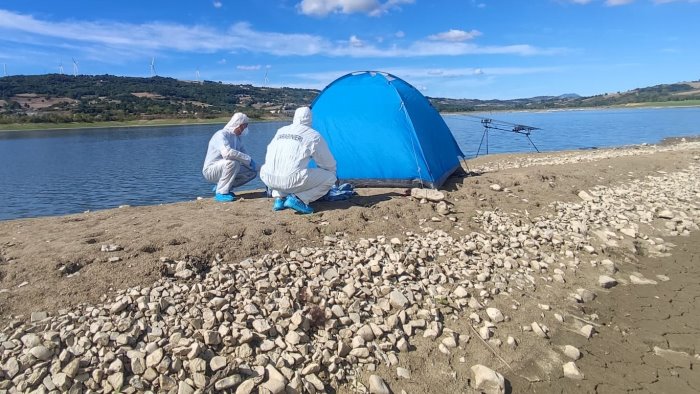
x: 339, y: 193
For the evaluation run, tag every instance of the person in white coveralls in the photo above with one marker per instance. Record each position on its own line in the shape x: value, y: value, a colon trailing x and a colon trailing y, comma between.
x: 227, y: 164
x: 286, y: 170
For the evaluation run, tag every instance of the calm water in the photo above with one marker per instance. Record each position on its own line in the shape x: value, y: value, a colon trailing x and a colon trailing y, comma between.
x: 59, y: 172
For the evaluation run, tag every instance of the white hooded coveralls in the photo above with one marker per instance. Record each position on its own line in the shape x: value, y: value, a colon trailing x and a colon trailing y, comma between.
x: 287, y: 160
x: 227, y: 164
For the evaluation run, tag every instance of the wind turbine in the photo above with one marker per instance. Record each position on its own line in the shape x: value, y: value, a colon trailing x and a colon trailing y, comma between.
x: 75, y: 67
x: 266, y: 81
x: 60, y: 67
x: 4, y: 69
x: 153, y: 67
x: 197, y: 74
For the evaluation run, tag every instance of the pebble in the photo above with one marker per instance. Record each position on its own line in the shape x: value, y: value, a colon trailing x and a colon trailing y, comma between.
x: 606, y: 282
x: 461, y: 292
x: 403, y: 373
x: 377, y: 385
x: 428, y: 194
x: 217, y: 363
x: 540, y: 330
x: 637, y: 280
x: 571, y: 352
x: 41, y: 352
x: 587, y: 330
x: 679, y: 359
x: 397, y: 299
x: 585, y: 196
x: 586, y: 295
x: 111, y: 248
x: 495, y: 315
x: 495, y: 187
x: 38, y: 316
x: 665, y: 214
x: 571, y: 371
x: 487, y: 380
x: 228, y: 382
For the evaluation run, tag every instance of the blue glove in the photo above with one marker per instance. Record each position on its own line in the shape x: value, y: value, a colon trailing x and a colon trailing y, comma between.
x: 252, y: 165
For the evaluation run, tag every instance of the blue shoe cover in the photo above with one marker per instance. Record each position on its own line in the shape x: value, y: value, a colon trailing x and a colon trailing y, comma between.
x: 279, y: 204
x: 213, y: 189
x: 225, y: 197
x: 296, y: 204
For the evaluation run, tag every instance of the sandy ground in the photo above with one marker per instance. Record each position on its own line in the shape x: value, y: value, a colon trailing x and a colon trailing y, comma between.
x: 49, y: 264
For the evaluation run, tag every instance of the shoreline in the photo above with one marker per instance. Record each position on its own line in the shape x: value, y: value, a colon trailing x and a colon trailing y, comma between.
x: 586, y: 249
x: 189, y: 122
x: 126, y: 124
x: 493, y: 157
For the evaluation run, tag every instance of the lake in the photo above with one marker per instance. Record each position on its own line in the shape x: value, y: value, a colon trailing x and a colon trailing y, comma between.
x: 54, y: 172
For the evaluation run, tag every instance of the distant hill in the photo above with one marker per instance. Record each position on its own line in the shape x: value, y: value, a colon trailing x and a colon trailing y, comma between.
x: 84, y: 98
x: 59, y: 98
x: 659, y: 94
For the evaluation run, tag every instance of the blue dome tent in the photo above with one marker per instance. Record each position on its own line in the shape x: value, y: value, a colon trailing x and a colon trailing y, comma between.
x: 384, y: 132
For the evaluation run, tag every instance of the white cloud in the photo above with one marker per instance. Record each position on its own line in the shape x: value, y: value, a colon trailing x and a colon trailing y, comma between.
x: 222, y: 61
x: 400, y: 34
x: 675, y: 1
x: 613, y: 3
x: 249, y: 68
x: 218, y: 4
x: 104, y: 39
x: 454, y: 35
x: 426, y: 74
x: 578, y: 1
x: 322, y: 8
x: 355, y: 42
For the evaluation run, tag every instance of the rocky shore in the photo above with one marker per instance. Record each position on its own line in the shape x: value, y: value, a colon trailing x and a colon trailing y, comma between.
x: 504, y: 281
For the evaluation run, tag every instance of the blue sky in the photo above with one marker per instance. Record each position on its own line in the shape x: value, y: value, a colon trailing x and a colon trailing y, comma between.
x: 447, y: 48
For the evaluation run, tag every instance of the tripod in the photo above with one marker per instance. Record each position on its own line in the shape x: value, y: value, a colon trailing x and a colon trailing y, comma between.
x: 490, y: 124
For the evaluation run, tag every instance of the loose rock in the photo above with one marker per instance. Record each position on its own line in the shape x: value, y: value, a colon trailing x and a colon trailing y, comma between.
x: 487, y: 380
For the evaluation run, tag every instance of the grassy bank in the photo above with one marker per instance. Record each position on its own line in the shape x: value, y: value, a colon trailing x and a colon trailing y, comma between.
x: 130, y: 123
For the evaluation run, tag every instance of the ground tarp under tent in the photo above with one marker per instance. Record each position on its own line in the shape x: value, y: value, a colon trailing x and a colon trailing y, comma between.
x: 384, y: 132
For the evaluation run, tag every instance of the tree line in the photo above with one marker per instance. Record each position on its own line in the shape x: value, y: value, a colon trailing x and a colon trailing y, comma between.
x: 99, y: 98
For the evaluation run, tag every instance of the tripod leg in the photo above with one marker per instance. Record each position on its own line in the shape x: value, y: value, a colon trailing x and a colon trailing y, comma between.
x: 482, y: 141
x: 487, y: 141
x: 533, y: 144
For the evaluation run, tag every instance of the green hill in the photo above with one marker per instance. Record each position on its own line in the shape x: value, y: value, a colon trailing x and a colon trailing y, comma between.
x: 61, y: 98
x: 55, y: 98
x: 684, y: 93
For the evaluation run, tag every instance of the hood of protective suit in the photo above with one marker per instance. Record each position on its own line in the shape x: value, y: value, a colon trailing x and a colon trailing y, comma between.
x: 236, y: 120
x: 302, y: 116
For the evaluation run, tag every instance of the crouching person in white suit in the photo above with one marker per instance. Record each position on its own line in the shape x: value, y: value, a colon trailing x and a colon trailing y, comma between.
x: 227, y: 164
x: 286, y: 171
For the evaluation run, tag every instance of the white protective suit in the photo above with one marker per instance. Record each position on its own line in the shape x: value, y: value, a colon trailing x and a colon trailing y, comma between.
x: 287, y: 160
x: 227, y: 164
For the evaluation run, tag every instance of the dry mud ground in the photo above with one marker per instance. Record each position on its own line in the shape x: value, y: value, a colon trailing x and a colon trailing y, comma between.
x: 51, y: 264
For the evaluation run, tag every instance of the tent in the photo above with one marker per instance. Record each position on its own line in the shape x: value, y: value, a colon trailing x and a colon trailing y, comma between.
x: 384, y: 132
